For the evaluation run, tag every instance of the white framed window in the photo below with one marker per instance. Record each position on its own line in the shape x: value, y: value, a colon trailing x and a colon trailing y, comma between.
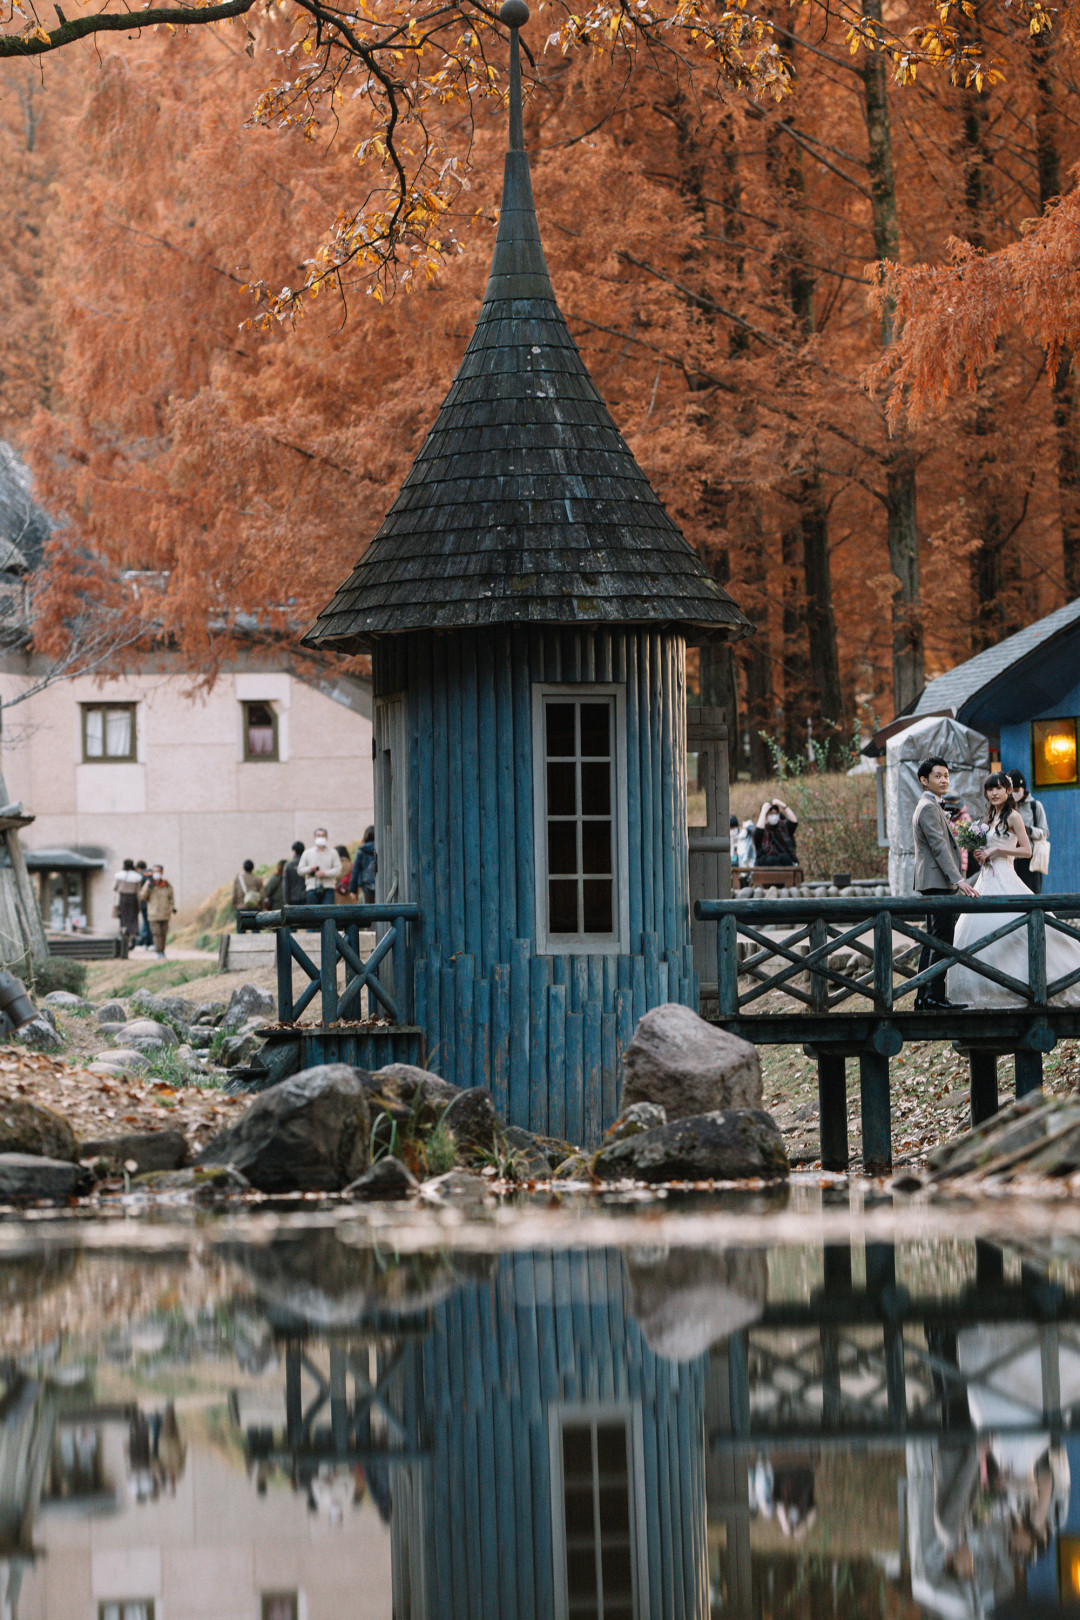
x: 599, y: 1540
x: 579, y: 797
x: 127, y: 1609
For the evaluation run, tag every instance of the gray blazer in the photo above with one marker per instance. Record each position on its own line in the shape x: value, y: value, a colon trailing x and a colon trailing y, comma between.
x: 937, y: 857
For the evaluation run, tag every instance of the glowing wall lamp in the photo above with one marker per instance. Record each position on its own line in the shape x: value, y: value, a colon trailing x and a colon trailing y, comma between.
x: 1068, y: 1569
x: 1053, y: 751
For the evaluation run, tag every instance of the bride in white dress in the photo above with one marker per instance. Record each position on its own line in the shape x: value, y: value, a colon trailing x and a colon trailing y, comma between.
x: 1006, y: 840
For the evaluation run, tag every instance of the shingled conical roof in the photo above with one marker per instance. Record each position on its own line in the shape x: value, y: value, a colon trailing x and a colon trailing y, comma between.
x: 525, y: 505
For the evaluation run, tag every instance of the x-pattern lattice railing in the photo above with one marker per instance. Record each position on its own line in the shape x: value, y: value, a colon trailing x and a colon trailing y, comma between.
x: 837, y: 1380
x: 339, y: 929
x: 765, y: 946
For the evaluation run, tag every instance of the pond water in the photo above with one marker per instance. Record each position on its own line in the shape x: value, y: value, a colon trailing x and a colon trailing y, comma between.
x: 805, y: 1406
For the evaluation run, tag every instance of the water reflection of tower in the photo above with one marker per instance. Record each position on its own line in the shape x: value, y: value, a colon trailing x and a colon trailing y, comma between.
x: 564, y: 1474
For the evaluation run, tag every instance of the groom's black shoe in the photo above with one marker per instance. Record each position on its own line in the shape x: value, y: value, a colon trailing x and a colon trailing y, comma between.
x: 943, y: 1005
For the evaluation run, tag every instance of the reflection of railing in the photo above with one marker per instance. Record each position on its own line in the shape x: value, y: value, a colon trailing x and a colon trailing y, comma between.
x: 339, y: 929
x: 807, y: 935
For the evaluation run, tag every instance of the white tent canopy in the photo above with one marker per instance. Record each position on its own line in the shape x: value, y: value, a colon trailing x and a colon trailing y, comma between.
x: 968, y: 754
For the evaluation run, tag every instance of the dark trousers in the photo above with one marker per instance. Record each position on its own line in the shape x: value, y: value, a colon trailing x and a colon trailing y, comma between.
x: 941, y: 925
x: 1026, y: 875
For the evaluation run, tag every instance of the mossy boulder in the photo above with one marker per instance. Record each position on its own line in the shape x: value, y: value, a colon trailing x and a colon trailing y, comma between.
x: 30, y: 1127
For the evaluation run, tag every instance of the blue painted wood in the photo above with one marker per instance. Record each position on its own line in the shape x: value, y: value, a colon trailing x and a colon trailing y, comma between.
x: 489, y: 833
x: 421, y: 776
x: 440, y: 930
x: 593, y: 1059
x: 448, y: 1008
x: 539, y: 983
x: 595, y: 972
x: 575, y: 1077
x: 328, y: 962
x: 641, y: 1001
x: 635, y: 873
x: 523, y: 791
x: 560, y: 970
x: 433, y: 1028
x: 610, y: 1069
x: 626, y: 972
x: 651, y: 953
x: 475, y: 848
x: 500, y: 1038
x: 481, y: 1068
x: 519, y: 1032
x: 662, y: 991
x: 624, y: 1022
x: 557, y: 1059
x: 461, y: 857
x: 611, y: 981
x: 463, y: 988
x: 579, y: 981
x: 649, y: 865
x: 1062, y: 804
x: 420, y: 985
x: 669, y: 796
x: 504, y: 769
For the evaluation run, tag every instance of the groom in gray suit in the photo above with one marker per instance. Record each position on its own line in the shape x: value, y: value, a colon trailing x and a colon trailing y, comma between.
x: 937, y: 871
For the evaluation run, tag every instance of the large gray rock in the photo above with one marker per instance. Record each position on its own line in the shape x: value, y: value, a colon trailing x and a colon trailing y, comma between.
x: 473, y: 1119
x: 247, y: 1001
x: 689, y: 1299
x: 147, y: 1032
x: 65, y: 1001
x: 26, y: 1175
x: 407, y: 1092
x: 30, y: 1127
x: 308, y: 1134
x: 172, y: 1008
x: 726, y: 1145
x: 236, y: 1049
x: 688, y: 1066
x: 39, y: 1035
x: 634, y: 1120
x: 148, y: 1150
x: 112, y: 1012
x: 123, y: 1058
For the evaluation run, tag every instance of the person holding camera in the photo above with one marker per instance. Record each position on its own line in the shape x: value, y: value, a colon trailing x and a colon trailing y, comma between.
x: 774, y: 834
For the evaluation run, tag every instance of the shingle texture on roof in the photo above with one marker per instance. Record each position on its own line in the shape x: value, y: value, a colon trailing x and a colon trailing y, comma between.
x: 959, y: 685
x: 525, y: 504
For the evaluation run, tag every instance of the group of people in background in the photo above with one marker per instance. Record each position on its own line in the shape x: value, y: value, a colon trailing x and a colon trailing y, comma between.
x: 768, y: 841
x: 319, y: 874
x: 145, y: 905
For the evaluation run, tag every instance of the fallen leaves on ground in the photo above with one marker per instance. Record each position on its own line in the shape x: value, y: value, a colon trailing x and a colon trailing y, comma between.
x: 100, y: 1106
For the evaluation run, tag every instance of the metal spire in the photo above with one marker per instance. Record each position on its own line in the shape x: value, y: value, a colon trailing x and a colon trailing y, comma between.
x: 515, y: 14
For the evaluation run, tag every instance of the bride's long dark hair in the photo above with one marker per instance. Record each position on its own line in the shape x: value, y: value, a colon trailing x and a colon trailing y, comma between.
x: 999, y: 818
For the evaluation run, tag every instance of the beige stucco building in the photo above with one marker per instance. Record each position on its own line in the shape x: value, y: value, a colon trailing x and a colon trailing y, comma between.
x: 143, y: 766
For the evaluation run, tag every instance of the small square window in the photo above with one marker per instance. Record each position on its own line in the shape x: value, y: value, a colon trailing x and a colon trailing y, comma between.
x: 1053, y: 753
x: 127, y: 1609
x: 260, y: 732
x: 108, y: 732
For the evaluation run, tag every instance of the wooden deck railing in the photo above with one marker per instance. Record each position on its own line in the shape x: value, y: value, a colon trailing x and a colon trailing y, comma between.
x: 339, y: 929
x: 793, y: 939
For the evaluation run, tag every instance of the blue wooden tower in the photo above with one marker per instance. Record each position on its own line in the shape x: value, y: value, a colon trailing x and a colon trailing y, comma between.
x: 564, y: 1472
x: 527, y: 603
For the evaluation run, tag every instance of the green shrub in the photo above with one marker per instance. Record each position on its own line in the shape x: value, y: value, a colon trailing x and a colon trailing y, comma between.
x: 58, y: 973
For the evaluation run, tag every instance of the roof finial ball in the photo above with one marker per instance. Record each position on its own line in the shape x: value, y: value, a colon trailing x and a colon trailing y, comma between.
x: 514, y: 13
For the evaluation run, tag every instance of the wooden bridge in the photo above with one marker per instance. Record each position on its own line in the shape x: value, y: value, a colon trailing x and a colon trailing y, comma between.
x: 839, y: 977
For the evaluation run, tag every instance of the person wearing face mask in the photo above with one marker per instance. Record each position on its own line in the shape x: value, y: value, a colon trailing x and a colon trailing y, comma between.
x: 319, y: 866
x: 774, y: 835
x: 160, y: 907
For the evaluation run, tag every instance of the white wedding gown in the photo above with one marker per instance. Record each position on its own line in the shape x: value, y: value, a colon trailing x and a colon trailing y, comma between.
x: 1008, y: 955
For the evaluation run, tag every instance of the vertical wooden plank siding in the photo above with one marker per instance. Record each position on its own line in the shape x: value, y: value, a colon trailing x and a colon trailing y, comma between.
x: 471, y: 819
x: 539, y: 986
x: 557, y: 1060
x: 500, y: 1037
x: 487, y: 743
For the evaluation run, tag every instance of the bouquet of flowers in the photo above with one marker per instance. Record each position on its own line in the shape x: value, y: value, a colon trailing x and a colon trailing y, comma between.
x: 970, y: 835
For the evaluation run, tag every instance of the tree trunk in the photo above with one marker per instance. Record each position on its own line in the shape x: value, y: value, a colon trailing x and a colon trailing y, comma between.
x: 817, y: 627
x: 908, y: 660
x: 1066, y: 426
x: 796, y: 696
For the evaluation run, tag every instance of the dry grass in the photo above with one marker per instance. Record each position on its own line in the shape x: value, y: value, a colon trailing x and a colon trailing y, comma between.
x: 837, y: 820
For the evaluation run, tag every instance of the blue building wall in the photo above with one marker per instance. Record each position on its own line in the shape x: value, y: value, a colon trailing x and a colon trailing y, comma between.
x: 473, y: 1532
x: 1062, y: 805
x: 545, y: 1032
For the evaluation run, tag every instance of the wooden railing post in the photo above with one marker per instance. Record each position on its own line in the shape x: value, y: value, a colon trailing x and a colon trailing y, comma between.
x: 283, y: 960
x: 1036, y: 933
x: 328, y: 971
x: 727, y: 966
x: 819, y: 984
x: 883, y: 961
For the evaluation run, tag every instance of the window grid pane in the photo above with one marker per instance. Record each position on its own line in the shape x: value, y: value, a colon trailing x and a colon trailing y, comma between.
x: 117, y: 733
x: 580, y: 825
x: 596, y: 1498
x: 108, y: 731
